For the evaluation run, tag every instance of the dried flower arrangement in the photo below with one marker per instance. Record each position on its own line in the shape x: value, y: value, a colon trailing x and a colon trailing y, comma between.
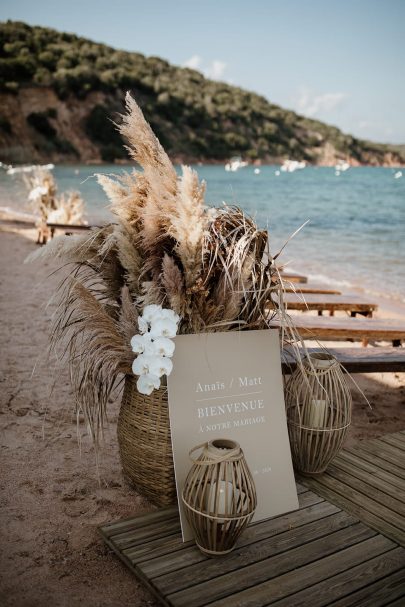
x: 209, y: 267
x: 68, y: 208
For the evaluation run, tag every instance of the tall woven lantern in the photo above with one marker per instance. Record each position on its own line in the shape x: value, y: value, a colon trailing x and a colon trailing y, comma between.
x: 319, y: 406
x: 219, y: 496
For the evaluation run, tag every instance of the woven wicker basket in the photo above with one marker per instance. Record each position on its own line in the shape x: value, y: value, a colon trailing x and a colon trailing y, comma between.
x: 145, y: 443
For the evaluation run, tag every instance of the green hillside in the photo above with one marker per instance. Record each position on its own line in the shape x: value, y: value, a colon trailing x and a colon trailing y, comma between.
x: 194, y: 118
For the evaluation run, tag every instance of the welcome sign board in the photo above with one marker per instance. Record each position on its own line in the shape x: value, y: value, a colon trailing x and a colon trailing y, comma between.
x: 229, y: 385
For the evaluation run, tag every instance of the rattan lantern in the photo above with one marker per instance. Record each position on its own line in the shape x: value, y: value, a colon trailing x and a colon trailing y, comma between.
x: 319, y: 406
x: 219, y: 496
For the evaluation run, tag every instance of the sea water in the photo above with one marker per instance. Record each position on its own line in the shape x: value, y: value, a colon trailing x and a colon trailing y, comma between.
x: 355, y: 236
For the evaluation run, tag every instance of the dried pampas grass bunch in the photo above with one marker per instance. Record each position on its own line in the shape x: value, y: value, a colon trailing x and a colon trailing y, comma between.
x: 211, y: 266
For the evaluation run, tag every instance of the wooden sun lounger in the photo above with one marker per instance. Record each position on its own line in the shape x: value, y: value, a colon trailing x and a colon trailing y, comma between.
x: 358, y: 360
x: 67, y: 228
x: 359, y: 329
x: 331, y: 303
x: 293, y: 277
x: 311, y: 287
x: 17, y: 223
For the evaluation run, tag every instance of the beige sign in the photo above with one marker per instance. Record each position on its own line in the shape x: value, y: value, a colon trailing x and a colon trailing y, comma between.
x: 229, y: 385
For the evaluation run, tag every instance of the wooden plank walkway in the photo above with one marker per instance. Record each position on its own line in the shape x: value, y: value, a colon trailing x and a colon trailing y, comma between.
x: 318, y: 555
x: 368, y: 481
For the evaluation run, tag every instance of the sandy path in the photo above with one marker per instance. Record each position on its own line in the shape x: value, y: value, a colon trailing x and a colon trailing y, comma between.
x: 51, y: 503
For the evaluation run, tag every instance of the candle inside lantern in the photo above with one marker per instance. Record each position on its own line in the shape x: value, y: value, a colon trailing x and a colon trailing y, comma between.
x: 221, y: 498
x: 317, y: 413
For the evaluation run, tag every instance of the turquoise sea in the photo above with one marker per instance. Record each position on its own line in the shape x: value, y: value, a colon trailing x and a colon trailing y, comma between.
x: 356, y: 231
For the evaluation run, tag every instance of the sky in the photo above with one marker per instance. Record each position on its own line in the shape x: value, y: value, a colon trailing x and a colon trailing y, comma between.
x: 341, y: 61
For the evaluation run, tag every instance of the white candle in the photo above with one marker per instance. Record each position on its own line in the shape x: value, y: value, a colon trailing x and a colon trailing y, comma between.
x: 222, y: 497
x: 317, y: 414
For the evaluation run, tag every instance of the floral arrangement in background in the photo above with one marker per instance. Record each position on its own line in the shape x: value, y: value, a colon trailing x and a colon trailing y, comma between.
x: 69, y: 209
x: 154, y: 346
x: 169, y: 264
x: 46, y: 204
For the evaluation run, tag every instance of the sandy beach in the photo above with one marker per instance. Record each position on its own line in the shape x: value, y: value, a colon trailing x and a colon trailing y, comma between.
x: 52, y: 502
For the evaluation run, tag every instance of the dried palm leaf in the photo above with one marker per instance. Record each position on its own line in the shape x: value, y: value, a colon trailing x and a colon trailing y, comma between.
x: 97, y: 352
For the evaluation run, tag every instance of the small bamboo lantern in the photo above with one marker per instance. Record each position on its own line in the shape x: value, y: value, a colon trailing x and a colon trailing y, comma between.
x: 319, y: 406
x: 219, y: 496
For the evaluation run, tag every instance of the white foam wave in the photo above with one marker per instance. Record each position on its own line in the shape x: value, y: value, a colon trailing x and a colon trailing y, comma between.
x: 351, y: 286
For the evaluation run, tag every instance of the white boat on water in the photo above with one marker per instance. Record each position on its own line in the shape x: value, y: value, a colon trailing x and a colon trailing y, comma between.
x: 28, y: 169
x: 235, y: 164
x: 341, y: 166
x: 289, y: 166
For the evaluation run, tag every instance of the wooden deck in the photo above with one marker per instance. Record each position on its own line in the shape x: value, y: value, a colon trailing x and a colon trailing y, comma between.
x: 322, y: 554
x: 330, y: 303
x: 368, y: 481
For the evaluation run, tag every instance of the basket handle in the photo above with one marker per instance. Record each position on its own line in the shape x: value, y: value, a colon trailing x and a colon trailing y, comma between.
x: 234, y: 454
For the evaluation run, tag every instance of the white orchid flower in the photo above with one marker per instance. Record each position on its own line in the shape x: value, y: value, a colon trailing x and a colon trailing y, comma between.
x: 163, y: 346
x: 149, y: 346
x: 151, y: 312
x: 154, y: 312
x: 163, y: 328
x: 138, y: 344
x: 142, y: 364
x: 154, y: 346
x: 168, y: 314
x: 161, y: 366
x: 143, y: 325
x: 147, y: 383
x: 142, y: 344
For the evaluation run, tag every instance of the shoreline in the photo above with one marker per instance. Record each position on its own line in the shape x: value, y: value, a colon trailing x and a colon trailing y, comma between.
x: 390, y: 302
x: 387, y: 302
x: 179, y: 160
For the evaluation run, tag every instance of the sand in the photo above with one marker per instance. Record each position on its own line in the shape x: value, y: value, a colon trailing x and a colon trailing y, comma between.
x: 51, y: 501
